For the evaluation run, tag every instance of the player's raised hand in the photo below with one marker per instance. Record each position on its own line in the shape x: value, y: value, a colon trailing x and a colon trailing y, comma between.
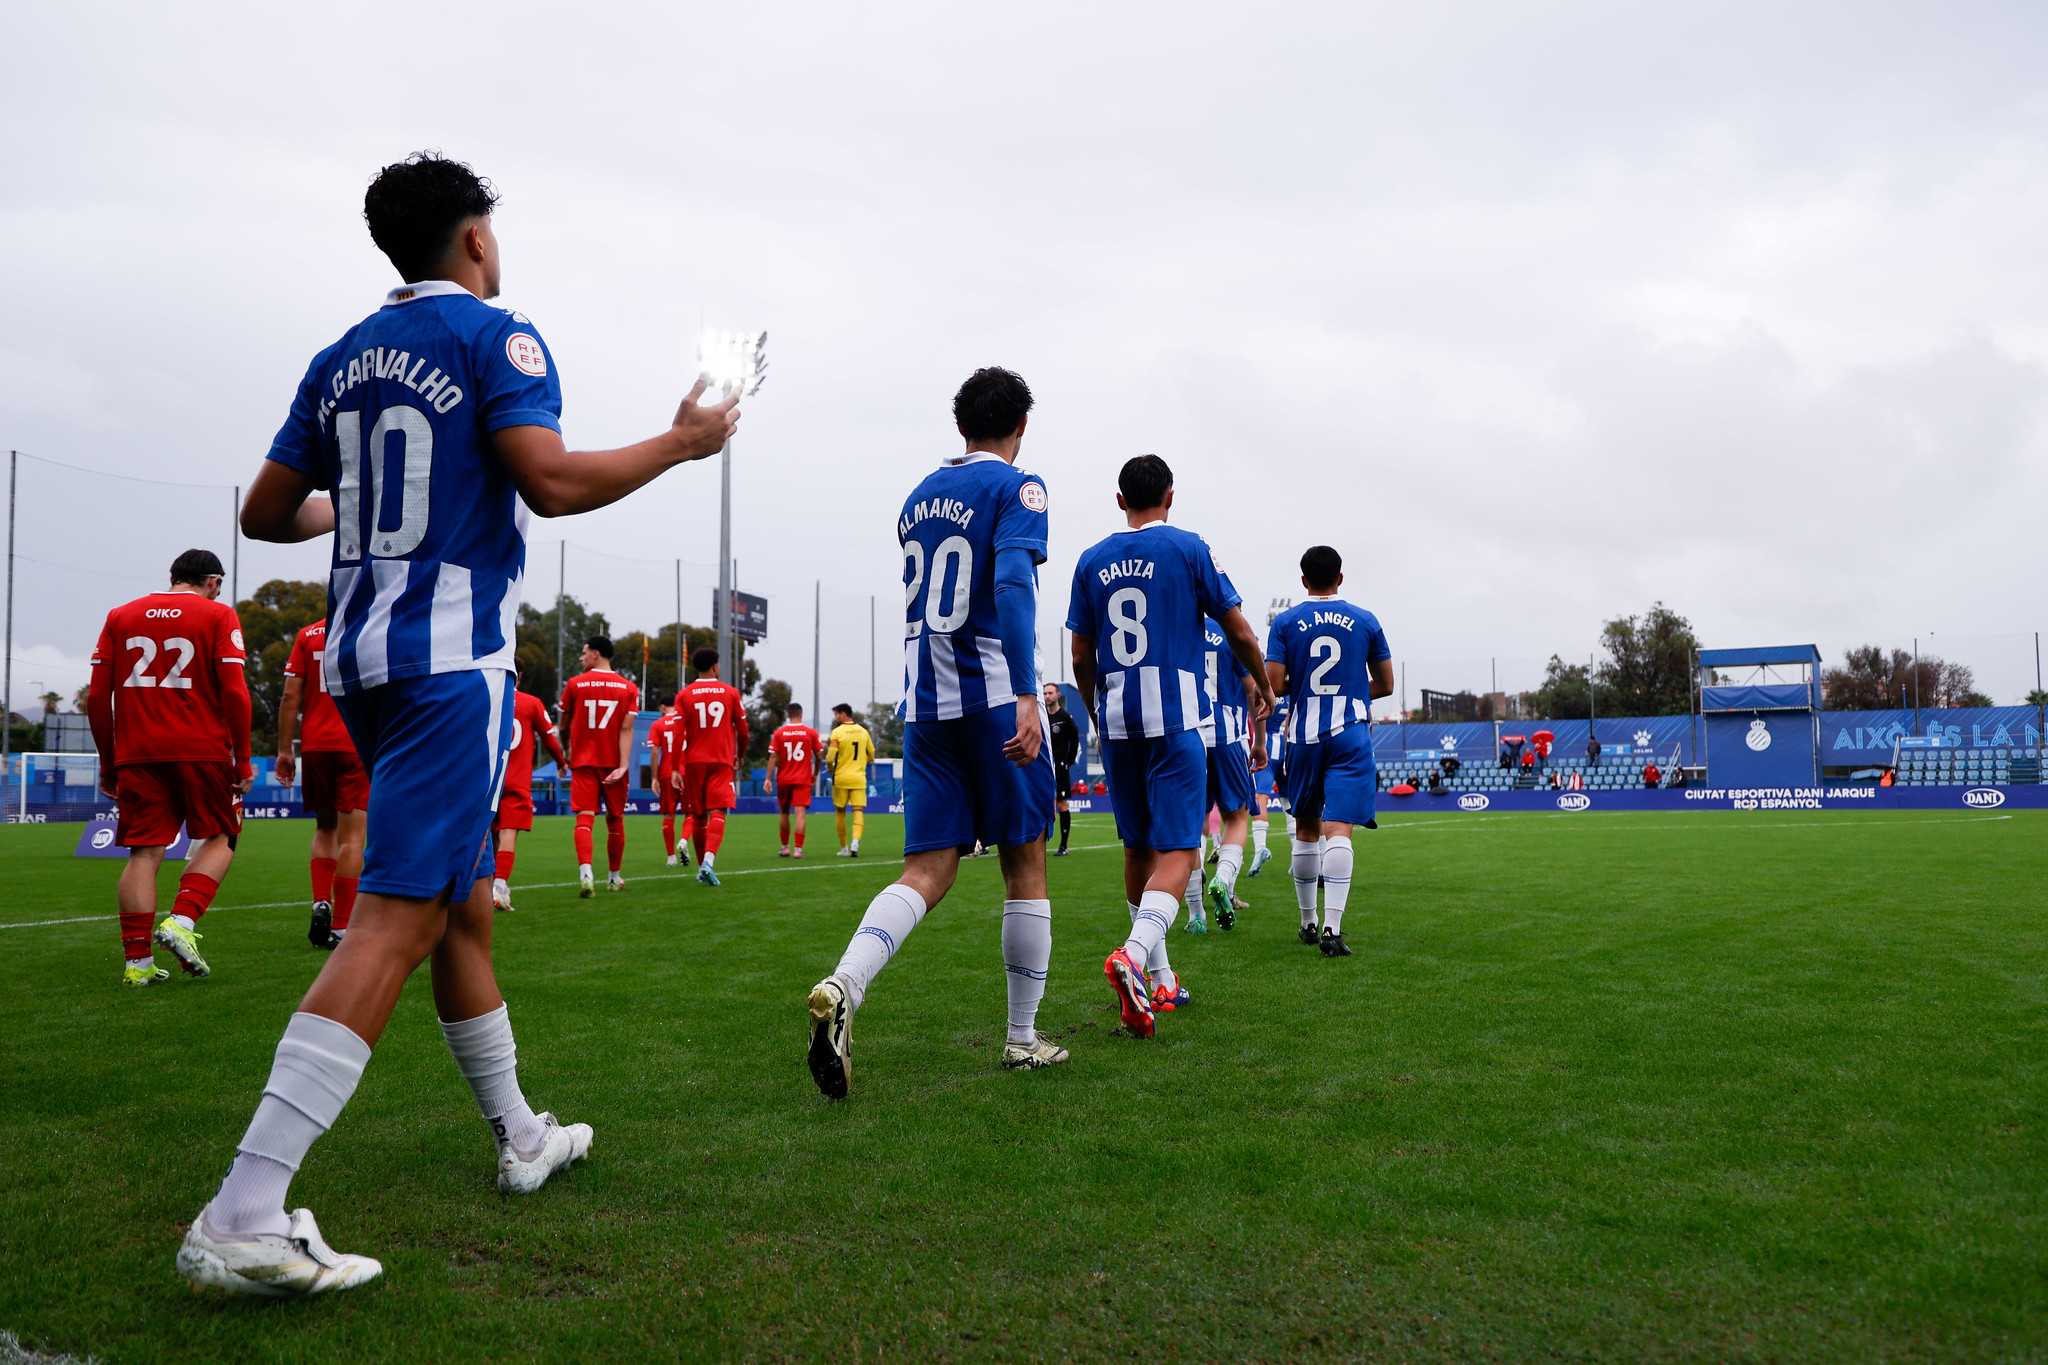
x: 704, y: 428
x: 1022, y: 747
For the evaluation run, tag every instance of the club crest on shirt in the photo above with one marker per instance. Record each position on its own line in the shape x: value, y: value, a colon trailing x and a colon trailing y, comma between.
x: 1032, y: 494
x: 524, y: 351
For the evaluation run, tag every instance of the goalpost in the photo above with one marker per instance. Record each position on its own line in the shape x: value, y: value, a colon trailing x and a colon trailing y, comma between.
x: 55, y: 786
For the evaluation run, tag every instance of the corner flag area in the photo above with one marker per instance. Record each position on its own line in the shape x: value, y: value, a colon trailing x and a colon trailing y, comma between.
x: 1693, y: 1083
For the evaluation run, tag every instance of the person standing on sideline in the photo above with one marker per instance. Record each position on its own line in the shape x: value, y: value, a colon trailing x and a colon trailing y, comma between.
x: 1066, y: 747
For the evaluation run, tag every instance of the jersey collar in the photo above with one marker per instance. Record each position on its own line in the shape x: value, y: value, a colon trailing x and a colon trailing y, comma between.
x: 423, y: 289
x: 975, y: 457
x: 1159, y: 520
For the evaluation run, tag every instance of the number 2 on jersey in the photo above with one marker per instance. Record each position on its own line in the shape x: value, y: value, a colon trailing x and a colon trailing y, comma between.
x: 1327, y: 649
x: 139, y: 676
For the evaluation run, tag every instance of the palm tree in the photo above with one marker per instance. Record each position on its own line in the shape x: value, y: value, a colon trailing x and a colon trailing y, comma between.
x: 51, y: 701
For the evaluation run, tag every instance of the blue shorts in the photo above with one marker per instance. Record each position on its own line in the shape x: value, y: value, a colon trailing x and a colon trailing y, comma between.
x: 436, y: 749
x: 959, y: 789
x: 1334, y: 778
x: 1230, y: 778
x: 1262, y: 781
x: 1159, y: 789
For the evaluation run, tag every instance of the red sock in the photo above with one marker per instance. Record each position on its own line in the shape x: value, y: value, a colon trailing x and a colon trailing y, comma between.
x: 614, y: 840
x: 783, y: 829
x: 323, y: 879
x: 584, y: 824
x: 697, y: 834
x: 135, y: 934
x: 668, y: 834
x: 344, y: 901
x: 714, y: 831
x: 504, y: 865
x: 799, y: 838
x: 195, y: 892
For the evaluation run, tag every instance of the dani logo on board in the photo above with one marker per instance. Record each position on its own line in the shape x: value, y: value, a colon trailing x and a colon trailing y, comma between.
x: 1983, y: 798
x: 1473, y: 801
x: 1574, y: 801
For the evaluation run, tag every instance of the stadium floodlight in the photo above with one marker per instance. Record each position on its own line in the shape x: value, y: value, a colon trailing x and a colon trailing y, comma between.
x: 734, y: 365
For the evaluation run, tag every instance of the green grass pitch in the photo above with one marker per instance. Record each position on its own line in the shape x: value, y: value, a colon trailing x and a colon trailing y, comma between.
x: 1687, y: 1085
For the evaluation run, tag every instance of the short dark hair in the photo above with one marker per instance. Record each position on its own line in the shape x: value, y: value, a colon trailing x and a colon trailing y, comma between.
x: 704, y: 658
x: 1144, y: 482
x: 601, y: 643
x: 842, y: 706
x: 795, y: 708
x: 991, y: 404
x: 1321, y: 566
x: 196, y: 566
x: 414, y: 206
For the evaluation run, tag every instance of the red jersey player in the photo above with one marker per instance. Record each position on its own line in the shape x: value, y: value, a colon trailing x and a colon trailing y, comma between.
x: 169, y: 704
x: 793, y: 750
x: 665, y: 746
x: 715, y: 735
x: 597, y: 709
x: 337, y: 788
x: 515, y: 801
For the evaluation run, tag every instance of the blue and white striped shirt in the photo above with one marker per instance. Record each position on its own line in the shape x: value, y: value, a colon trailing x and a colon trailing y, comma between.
x: 430, y: 536
x: 1329, y: 647
x: 1223, y: 679
x: 1143, y: 596
x: 953, y: 525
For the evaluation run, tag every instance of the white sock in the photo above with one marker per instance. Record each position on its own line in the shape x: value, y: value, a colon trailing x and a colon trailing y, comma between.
x: 1290, y: 824
x: 1228, y: 862
x: 709, y: 859
x: 1150, y: 924
x: 1027, y: 955
x: 500, y: 886
x: 150, y: 961
x: 1336, y: 882
x: 583, y: 869
x: 892, y: 914
x: 1259, y: 827
x: 1306, y: 865
x: 489, y: 1060
x: 315, y: 1070
x: 184, y: 920
x: 1195, y: 892
x: 1158, y: 968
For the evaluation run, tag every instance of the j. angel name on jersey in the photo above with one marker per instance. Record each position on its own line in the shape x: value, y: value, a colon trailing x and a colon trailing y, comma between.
x: 1329, y: 646
x: 396, y: 419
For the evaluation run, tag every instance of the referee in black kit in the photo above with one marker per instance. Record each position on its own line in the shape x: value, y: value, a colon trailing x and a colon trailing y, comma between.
x: 1066, y: 747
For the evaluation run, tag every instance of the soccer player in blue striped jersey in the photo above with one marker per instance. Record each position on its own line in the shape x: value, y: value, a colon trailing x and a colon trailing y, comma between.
x: 1235, y: 750
x: 975, y: 765
x: 431, y: 426
x: 1137, y: 613
x: 1330, y: 659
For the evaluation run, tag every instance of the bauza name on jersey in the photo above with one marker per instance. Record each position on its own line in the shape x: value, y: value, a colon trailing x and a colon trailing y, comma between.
x: 949, y: 509
x: 380, y: 363
x: 1124, y: 568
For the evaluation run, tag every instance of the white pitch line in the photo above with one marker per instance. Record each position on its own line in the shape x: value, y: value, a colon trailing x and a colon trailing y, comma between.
x: 807, y: 865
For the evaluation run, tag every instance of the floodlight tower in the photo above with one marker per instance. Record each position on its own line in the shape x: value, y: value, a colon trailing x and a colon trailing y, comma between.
x: 734, y: 364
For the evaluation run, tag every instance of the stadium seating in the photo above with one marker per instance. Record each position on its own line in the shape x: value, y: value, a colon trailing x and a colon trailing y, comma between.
x: 1612, y: 772
x: 1969, y: 767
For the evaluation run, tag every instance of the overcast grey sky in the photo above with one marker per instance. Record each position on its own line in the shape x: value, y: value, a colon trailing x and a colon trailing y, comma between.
x: 1539, y: 313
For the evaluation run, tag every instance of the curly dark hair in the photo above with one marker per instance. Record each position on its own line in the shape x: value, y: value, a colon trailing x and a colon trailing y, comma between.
x: 414, y: 207
x: 991, y: 404
x: 703, y: 658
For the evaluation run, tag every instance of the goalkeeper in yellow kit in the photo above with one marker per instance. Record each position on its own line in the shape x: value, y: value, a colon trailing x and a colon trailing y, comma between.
x: 849, y: 750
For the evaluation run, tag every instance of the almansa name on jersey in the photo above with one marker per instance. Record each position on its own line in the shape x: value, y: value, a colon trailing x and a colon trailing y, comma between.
x: 954, y: 524
x: 395, y: 420
x: 1329, y: 646
x: 1145, y: 595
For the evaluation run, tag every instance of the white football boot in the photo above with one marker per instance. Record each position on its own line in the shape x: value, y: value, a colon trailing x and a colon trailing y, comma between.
x: 1040, y: 1051
x: 615, y: 882
x: 830, y: 1006
x: 562, y: 1145
x: 586, y: 887
x: 671, y: 860
x: 294, y: 1265
x: 501, y: 894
